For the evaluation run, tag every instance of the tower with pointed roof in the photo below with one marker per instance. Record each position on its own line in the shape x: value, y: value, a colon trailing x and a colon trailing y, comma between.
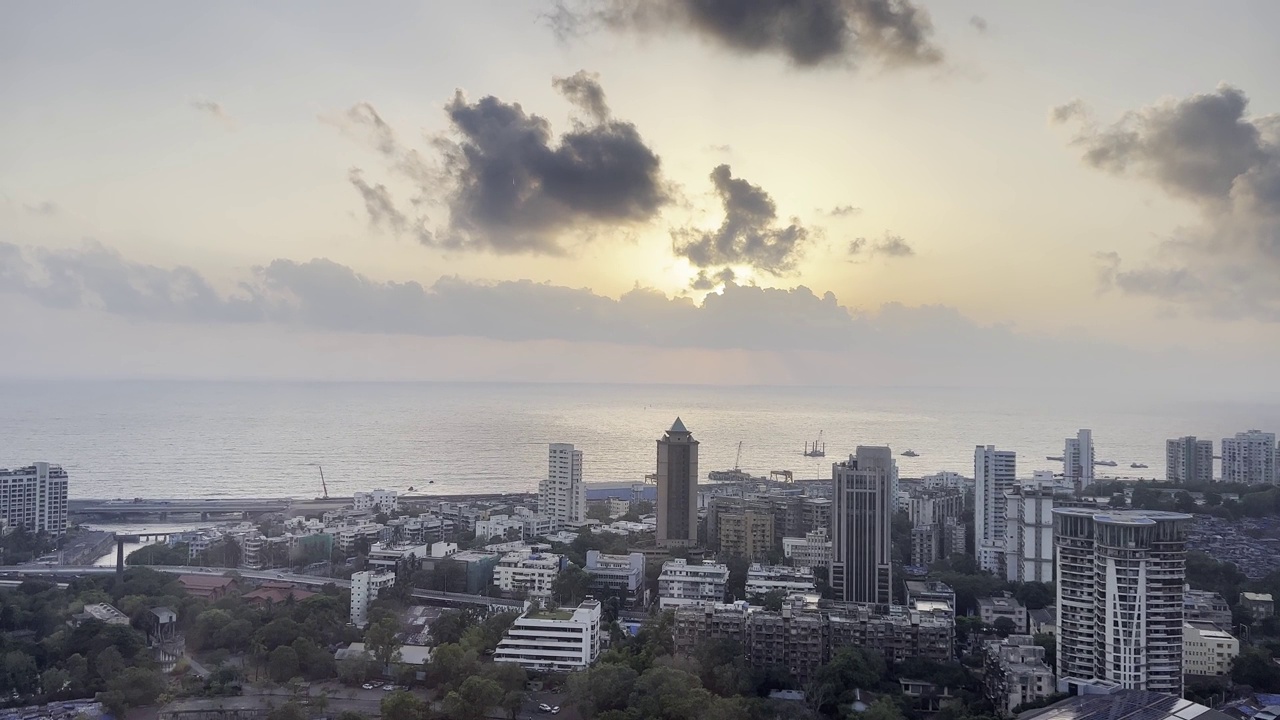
x: 677, y: 488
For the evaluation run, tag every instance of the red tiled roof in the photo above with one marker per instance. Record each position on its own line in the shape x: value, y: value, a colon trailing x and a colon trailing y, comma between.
x: 205, y: 582
x: 278, y: 593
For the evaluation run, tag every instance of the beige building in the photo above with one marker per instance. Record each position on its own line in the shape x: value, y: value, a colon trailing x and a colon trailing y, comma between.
x: 1015, y: 673
x: 991, y: 609
x: 1207, y: 650
x: 746, y: 535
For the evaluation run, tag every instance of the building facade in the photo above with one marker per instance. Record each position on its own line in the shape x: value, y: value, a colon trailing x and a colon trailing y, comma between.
x: 861, y: 546
x: 746, y: 534
x: 764, y: 579
x: 1015, y: 673
x: 1078, y: 460
x: 991, y: 609
x: 528, y: 574
x: 1249, y: 458
x: 620, y: 576
x: 560, y: 640
x: 677, y: 507
x: 993, y: 476
x: 811, y: 551
x: 34, y: 497
x: 684, y: 584
x: 1188, y: 460
x: 1120, y: 585
x: 1207, y: 649
x: 1206, y: 606
x: 1028, y: 534
x: 365, y: 586
x: 561, y: 495
x: 379, y: 500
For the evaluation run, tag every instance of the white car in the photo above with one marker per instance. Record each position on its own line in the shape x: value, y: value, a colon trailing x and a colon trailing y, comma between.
x: 555, y: 710
x: 544, y: 708
x: 367, y: 686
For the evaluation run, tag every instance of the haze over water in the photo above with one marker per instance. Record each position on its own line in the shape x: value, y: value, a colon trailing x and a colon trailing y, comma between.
x: 183, y: 439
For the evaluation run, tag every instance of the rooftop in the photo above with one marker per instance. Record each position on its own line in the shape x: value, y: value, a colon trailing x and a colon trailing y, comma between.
x: 1124, y: 705
x: 678, y: 427
x: 550, y: 614
x: 1256, y: 597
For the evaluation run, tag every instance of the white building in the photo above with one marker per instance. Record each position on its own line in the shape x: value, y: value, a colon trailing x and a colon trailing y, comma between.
x: 945, y: 479
x: 1188, y: 460
x: 991, y: 609
x: 1077, y: 459
x: 619, y: 575
x: 1016, y: 673
x: 811, y: 551
x: 993, y: 476
x: 389, y: 558
x: 763, y: 579
x: 377, y: 501
x: 365, y: 586
x: 1207, y: 649
x: 1249, y: 458
x: 683, y: 584
x: 34, y: 497
x: 528, y: 573
x: 561, y: 495
x: 1028, y: 533
x: 1120, y: 598
x: 560, y: 640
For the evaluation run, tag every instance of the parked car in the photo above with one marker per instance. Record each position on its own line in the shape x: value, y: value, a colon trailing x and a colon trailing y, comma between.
x: 544, y: 708
x: 555, y: 710
x: 367, y: 686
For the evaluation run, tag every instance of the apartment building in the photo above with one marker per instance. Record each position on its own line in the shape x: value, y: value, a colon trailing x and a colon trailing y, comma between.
x: 991, y: 609
x: 1207, y: 649
x: 745, y: 534
x: 1028, y: 533
x: 1015, y: 673
x: 677, y: 479
x: 994, y: 473
x: 34, y: 497
x: 379, y: 500
x: 619, y: 576
x: 764, y: 579
x: 562, y: 495
x: 556, y: 640
x: 682, y: 583
x: 528, y: 574
x: 1249, y: 458
x: 365, y: 586
x: 1188, y: 460
x: 811, y: 551
x: 1205, y: 606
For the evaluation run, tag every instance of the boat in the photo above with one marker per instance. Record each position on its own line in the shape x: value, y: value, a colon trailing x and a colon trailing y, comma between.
x: 1138, y: 465
x: 1105, y: 463
x: 910, y: 453
x: 431, y: 482
x: 1054, y: 458
x: 734, y: 475
x: 817, y: 448
x: 410, y: 488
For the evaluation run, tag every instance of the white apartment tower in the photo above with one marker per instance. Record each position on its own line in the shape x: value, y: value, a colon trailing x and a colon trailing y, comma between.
x: 1249, y: 458
x: 1120, y: 587
x: 1028, y: 533
x: 561, y: 495
x: 1077, y: 459
x: 994, y: 474
x: 365, y: 586
x: 862, y: 512
x: 1188, y: 460
x: 34, y: 497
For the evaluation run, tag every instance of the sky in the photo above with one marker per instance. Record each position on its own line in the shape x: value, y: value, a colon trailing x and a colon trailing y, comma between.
x: 862, y: 192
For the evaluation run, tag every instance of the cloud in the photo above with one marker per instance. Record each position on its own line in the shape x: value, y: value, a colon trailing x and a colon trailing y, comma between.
x: 843, y: 211
x: 216, y: 111
x: 749, y: 234
x: 808, y: 33
x: 583, y: 89
x: 44, y: 207
x: 979, y: 23
x: 382, y: 210
x: 890, y: 246
x: 703, y: 281
x: 510, y: 185
x: 1204, y: 149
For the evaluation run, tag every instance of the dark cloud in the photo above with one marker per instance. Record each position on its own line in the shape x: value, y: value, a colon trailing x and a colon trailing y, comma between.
x: 1205, y: 149
x: 44, y: 207
x: 807, y: 33
x: 978, y: 23
x: 709, y: 282
x: 844, y: 211
x: 749, y: 234
x: 583, y: 89
x: 510, y: 184
x: 889, y: 245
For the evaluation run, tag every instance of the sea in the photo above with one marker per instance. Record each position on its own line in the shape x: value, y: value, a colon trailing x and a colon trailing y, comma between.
x: 176, y: 439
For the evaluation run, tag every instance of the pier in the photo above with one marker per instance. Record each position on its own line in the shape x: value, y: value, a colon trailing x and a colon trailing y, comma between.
x: 163, y: 508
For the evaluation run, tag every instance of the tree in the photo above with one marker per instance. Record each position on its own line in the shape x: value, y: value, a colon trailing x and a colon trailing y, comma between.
x: 571, y: 585
x: 603, y: 688
x: 381, y: 640
x: 1004, y: 626
x: 20, y: 672
x: 665, y: 692
x: 1035, y: 595
x: 1050, y: 644
x: 1118, y: 501
x: 351, y: 715
x: 234, y: 636
x: 470, y: 701
x: 1183, y: 502
x: 599, y: 512
x: 283, y: 663
x: 159, y: 554
x: 883, y: 709
x: 851, y: 669
x: 401, y: 705
x: 771, y: 600
x: 1253, y: 667
x: 137, y: 686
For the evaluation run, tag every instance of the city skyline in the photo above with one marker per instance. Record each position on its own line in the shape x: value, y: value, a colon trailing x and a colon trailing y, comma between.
x: 360, y: 221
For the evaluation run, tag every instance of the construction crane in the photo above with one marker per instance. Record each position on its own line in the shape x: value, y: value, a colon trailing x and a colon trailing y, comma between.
x: 323, y: 486
x: 737, y: 462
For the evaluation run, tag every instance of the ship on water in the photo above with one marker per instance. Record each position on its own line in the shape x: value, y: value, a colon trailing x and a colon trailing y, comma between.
x: 910, y: 453
x: 817, y: 448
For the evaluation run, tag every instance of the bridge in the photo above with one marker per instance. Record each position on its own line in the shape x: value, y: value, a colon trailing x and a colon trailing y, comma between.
x: 190, y: 506
x: 432, y: 597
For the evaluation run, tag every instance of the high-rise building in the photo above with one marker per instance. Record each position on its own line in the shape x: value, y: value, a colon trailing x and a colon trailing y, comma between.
x: 365, y: 586
x: 1249, y: 458
x: 677, y: 488
x: 1120, y: 578
x: 1028, y: 533
x: 34, y: 497
x: 1188, y: 460
x: 746, y: 534
x: 861, y: 546
x: 561, y: 496
x: 1077, y: 459
x: 993, y: 476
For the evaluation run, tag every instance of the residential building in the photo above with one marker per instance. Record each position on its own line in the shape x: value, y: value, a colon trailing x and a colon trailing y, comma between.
x: 1078, y: 460
x: 926, y: 544
x: 1259, y: 605
x: 1205, y: 606
x: 365, y: 586
x: 384, y: 557
x: 746, y: 534
x: 793, y: 515
x: 476, y: 569
x: 559, y: 640
x: 528, y: 574
x: 954, y: 538
x: 1015, y: 673
x: 34, y: 497
x: 385, y: 501
x: 945, y: 479
x: 931, y: 506
x: 896, y: 631
x: 684, y: 584
x: 992, y: 609
x: 1249, y: 458
x: 561, y: 495
x: 1120, y: 584
x: 677, y: 488
x: 1028, y: 533
x: 1207, y: 649
x: 933, y: 595
x: 764, y: 579
x: 1043, y: 621
x: 861, y: 549
x: 619, y: 576
x: 993, y: 476
x: 811, y: 551
x: 1188, y: 460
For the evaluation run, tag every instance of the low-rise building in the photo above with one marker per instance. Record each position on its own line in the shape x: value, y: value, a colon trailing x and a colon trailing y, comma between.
x: 1259, y: 605
x: 104, y: 612
x: 476, y: 570
x: 1207, y: 649
x: 684, y: 584
x: 620, y: 576
x: 763, y: 579
x: 384, y: 557
x: 558, y: 640
x: 365, y: 586
x: 209, y: 587
x: 930, y: 595
x: 528, y: 574
x: 1043, y: 621
x: 811, y: 551
x: 379, y: 500
x: 1015, y: 673
x: 1206, y: 606
x: 991, y: 609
